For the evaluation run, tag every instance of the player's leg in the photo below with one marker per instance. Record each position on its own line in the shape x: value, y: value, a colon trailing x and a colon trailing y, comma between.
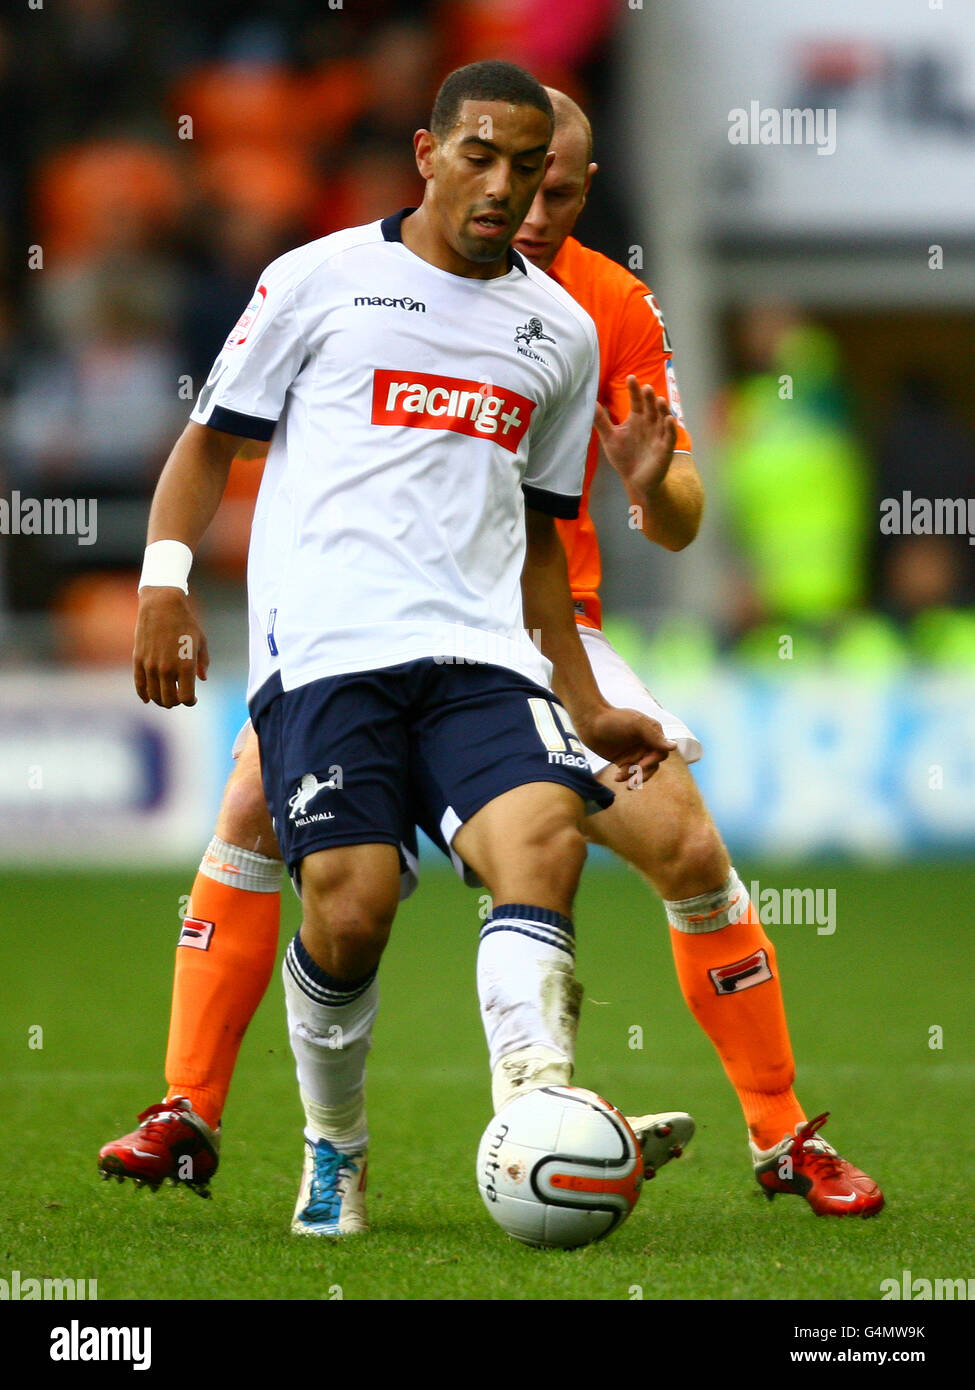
x: 503, y: 791
x: 527, y: 848
x: 349, y: 898
x: 334, y: 756
x: 228, y: 944
x: 224, y: 961
x: 491, y: 787
x: 725, y: 962
x: 502, y: 784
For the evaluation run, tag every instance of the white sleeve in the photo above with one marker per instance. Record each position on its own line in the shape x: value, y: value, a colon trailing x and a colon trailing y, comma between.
x: 246, y: 389
x: 559, y: 441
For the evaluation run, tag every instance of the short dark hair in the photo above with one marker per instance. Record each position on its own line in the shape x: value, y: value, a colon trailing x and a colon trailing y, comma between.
x: 490, y: 80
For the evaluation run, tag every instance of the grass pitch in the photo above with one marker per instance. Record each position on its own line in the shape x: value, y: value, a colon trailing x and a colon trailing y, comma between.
x: 88, y: 960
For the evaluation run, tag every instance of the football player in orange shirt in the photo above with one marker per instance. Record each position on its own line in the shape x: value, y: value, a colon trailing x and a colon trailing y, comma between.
x: 726, y: 964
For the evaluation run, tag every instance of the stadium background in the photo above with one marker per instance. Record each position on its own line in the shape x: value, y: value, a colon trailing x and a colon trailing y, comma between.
x: 167, y: 154
x: 822, y: 308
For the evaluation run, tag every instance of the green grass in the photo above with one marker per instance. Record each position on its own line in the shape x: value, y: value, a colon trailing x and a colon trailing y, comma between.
x: 89, y: 960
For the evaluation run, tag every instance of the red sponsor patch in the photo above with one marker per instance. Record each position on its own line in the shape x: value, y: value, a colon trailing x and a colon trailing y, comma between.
x: 427, y: 402
x: 196, y: 933
x: 743, y: 974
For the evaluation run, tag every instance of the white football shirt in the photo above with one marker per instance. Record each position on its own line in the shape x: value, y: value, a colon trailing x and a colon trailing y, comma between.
x: 412, y: 413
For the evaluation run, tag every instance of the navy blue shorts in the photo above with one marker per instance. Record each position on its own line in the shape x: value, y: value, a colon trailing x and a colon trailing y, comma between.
x: 365, y: 757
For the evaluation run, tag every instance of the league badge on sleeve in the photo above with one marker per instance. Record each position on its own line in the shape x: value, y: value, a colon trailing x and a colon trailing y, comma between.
x: 651, y: 302
x: 673, y: 393
x: 248, y: 318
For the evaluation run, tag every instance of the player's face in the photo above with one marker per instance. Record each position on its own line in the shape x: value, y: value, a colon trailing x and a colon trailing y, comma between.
x: 484, y: 175
x: 559, y: 200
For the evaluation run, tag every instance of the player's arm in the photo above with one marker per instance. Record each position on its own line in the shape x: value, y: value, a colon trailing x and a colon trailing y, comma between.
x: 627, y: 738
x: 665, y: 487
x: 250, y: 450
x: 643, y: 432
x: 238, y: 408
x: 672, y: 513
x: 170, y: 648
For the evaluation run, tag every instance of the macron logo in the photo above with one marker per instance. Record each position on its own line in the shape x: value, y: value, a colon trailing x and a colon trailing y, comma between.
x: 415, y: 306
x: 476, y: 408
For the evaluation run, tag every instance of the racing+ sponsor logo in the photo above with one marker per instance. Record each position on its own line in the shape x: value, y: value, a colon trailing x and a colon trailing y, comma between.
x: 422, y: 400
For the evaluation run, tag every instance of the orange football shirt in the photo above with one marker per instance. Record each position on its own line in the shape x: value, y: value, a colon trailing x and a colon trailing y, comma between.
x: 632, y: 342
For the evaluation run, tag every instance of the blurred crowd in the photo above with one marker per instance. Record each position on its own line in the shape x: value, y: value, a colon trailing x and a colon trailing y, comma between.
x: 833, y: 555
x: 830, y: 554
x: 167, y: 151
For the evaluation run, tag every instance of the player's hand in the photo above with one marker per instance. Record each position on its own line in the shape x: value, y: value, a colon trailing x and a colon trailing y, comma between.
x: 642, y: 447
x: 633, y: 741
x: 170, y: 649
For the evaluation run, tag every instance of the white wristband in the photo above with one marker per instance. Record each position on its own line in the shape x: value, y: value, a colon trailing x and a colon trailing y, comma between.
x: 166, y: 565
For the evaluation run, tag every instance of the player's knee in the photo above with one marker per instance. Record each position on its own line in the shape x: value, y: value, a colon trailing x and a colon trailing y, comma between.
x: 346, y: 903
x: 693, y: 861
x: 355, y: 935
x: 346, y: 935
x: 556, y: 853
x: 348, y: 915
x: 568, y: 847
x: 244, y: 819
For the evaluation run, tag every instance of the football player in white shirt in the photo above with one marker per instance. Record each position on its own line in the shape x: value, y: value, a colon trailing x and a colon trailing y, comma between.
x: 429, y: 397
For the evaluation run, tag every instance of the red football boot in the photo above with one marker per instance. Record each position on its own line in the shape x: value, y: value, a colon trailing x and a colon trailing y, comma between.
x: 807, y: 1166
x: 171, y: 1142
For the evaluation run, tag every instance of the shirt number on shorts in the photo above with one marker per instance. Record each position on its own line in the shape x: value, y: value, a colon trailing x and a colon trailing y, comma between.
x: 555, y: 739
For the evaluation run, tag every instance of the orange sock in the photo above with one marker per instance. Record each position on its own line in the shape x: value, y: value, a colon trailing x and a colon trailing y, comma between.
x: 728, y: 975
x: 224, y: 960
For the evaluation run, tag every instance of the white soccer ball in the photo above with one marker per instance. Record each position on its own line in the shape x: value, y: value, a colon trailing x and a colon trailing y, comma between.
x: 559, y: 1167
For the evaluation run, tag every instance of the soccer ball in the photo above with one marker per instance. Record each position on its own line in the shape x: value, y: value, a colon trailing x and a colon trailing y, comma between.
x: 559, y: 1167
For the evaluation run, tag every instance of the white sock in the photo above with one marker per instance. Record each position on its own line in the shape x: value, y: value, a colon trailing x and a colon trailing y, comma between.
x: 330, y: 1029
x: 529, y: 998
x: 241, y: 868
x: 710, y: 911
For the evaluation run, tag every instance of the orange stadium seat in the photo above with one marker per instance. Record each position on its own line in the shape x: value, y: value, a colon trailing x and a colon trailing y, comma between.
x: 280, y: 181
x: 86, y: 193
x: 475, y: 29
x: 234, y: 104
x: 521, y: 30
x: 94, y: 619
x: 333, y: 98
